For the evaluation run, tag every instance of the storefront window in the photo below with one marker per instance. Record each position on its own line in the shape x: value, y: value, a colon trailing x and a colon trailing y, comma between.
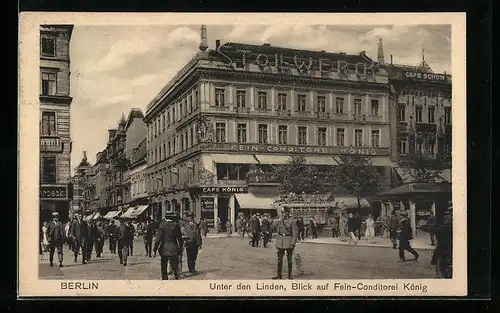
x: 232, y: 171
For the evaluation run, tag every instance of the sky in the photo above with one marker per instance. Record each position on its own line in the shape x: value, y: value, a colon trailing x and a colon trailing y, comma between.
x: 116, y: 68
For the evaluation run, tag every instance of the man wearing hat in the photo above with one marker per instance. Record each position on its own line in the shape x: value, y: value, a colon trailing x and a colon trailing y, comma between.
x: 168, y: 241
x: 193, y: 242
x: 442, y: 255
x: 124, y: 239
x: 255, y: 230
x: 405, y: 235
x: 286, y: 238
x: 55, y: 236
x: 79, y: 230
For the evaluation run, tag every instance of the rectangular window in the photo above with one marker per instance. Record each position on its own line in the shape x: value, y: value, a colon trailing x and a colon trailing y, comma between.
x: 302, y: 139
x: 281, y: 101
x: 190, y: 103
x: 418, y: 114
x: 420, y: 145
x: 262, y: 100
x: 174, y: 117
x: 182, y: 142
x: 358, y: 137
x: 430, y: 147
x: 262, y: 133
x: 168, y: 118
x: 282, y: 134
x: 242, y: 133
x: 186, y: 141
x: 164, y: 151
x: 48, y: 46
x: 191, y: 134
x: 181, y: 110
x: 375, y: 138
x: 340, y: 137
x: 49, y: 124
x: 401, y: 114
x: 174, y: 146
x: 402, y: 147
x: 430, y: 115
x: 220, y: 132
x: 169, y: 148
x: 374, y: 107
x: 321, y: 104
x: 49, y: 170
x: 339, y: 105
x: 49, y: 85
x: 195, y: 100
x: 357, y: 106
x: 322, y: 136
x: 447, y: 115
x: 219, y: 97
x: 301, y: 103
x: 241, y: 98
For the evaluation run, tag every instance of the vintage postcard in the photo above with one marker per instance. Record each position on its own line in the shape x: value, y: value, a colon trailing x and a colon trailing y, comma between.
x: 242, y: 155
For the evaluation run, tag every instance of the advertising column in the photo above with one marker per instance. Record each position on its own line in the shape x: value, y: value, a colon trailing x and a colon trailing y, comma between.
x: 207, y: 205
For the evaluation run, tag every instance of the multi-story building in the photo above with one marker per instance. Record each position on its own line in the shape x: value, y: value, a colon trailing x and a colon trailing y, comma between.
x: 97, y: 185
x: 242, y: 107
x: 117, y: 165
x: 420, y: 102
x: 135, y: 194
x: 80, y: 181
x: 55, y: 102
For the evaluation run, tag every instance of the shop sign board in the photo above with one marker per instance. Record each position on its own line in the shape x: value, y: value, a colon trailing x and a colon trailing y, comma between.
x: 54, y: 192
x: 296, y: 149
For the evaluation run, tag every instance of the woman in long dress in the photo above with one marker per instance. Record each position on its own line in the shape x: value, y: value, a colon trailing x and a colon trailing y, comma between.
x: 45, y: 240
x: 370, y: 228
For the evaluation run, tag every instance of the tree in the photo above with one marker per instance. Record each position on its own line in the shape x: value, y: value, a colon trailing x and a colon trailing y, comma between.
x: 423, y: 169
x: 297, y: 176
x: 358, y: 177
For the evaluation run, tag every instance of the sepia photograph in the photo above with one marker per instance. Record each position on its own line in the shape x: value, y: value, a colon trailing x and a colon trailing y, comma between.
x: 278, y: 153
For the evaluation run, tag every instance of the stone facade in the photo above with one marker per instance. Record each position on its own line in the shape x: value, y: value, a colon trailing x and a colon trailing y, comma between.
x: 55, y: 102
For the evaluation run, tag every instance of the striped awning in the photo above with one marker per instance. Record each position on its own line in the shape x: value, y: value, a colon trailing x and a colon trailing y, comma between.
x: 111, y: 214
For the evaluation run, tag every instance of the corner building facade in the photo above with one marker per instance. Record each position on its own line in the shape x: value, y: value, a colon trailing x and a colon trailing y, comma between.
x: 55, y: 103
x: 239, y: 108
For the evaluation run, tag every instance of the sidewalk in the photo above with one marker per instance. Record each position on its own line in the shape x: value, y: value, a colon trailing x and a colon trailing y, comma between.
x: 419, y: 243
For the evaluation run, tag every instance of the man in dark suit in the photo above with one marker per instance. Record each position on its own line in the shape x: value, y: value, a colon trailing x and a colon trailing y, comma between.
x: 89, y: 246
x: 124, y: 239
x: 79, y: 229
x: 99, y: 239
x: 132, y: 236
x: 193, y: 243
x: 255, y: 229
x: 55, y: 236
x: 112, y: 232
x: 286, y: 239
x: 266, y: 230
x: 168, y: 242
x: 405, y: 235
x: 148, y: 236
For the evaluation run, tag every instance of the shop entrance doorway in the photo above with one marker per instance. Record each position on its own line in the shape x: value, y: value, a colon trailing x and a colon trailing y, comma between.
x: 223, y: 211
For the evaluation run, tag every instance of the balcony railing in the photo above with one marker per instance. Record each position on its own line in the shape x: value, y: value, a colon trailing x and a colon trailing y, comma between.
x: 402, y: 127
x: 323, y: 115
x: 359, y: 117
x: 425, y: 128
x: 302, y: 113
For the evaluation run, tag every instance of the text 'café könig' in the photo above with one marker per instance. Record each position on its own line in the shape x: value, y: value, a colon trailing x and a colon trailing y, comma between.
x: 239, y: 109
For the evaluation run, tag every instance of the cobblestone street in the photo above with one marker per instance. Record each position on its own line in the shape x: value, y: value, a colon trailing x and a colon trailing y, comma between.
x: 234, y: 258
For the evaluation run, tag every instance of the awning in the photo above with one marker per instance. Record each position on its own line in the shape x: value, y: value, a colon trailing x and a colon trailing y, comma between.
x: 351, y: 202
x: 137, y: 211
x: 111, y: 214
x: 250, y: 201
x: 128, y: 213
x: 233, y: 158
x: 321, y: 160
x: 428, y: 189
x: 273, y: 159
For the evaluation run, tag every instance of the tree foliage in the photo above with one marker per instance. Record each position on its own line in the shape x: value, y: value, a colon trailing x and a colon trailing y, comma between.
x: 358, y: 177
x: 423, y: 169
x: 299, y: 177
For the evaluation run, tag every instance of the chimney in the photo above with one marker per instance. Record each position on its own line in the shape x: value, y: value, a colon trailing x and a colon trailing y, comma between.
x: 380, y: 53
x: 203, y: 40
x: 391, y: 59
x: 217, y: 44
x: 111, y: 133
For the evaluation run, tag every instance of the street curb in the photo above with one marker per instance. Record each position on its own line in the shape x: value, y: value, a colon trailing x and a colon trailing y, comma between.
x: 363, y: 245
